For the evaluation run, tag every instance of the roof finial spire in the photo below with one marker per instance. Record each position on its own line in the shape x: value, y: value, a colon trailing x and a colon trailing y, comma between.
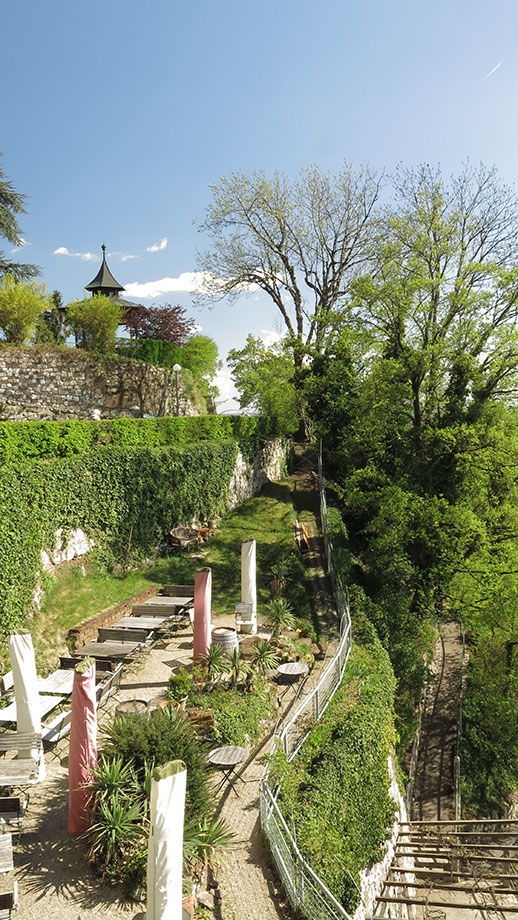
x: 103, y: 247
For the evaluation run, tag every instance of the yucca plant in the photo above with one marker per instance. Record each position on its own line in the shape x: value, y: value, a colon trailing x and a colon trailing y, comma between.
x: 118, y: 826
x: 279, y: 579
x: 238, y: 666
x: 202, y: 841
x: 279, y: 616
x: 111, y: 776
x: 215, y: 662
x: 264, y: 658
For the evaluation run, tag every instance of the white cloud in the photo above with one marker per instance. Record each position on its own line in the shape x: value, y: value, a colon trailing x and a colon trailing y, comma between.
x: 158, y: 247
x: 86, y: 256
x: 187, y: 282
x: 228, y: 399
x: 269, y: 337
x: 20, y: 245
x: 127, y: 256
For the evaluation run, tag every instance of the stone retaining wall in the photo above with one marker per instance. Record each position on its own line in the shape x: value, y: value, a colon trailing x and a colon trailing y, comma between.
x: 248, y: 477
x: 88, y: 629
x: 42, y: 382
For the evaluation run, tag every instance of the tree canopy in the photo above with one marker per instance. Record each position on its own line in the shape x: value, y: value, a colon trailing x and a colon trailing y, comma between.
x: 12, y: 204
x: 22, y: 303
x: 263, y: 377
x: 300, y: 242
x: 440, y: 298
x: 94, y: 321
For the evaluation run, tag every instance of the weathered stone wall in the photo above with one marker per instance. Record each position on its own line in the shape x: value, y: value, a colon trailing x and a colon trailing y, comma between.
x: 249, y: 477
x: 41, y: 382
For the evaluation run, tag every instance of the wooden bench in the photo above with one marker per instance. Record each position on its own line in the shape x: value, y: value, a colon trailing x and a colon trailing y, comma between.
x: 7, y: 684
x: 105, y: 665
x: 25, y: 770
x: 245, y: 619
x: 186, y: 591
x: 12, y: 811
x: 114, y: 634
x: 110, y: 685
x: 58, y: 728
x: 8, y: 902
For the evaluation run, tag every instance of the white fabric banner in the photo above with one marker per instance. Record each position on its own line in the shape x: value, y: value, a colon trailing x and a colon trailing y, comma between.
x: 26, y: 692
x: 164, y: 864
x: 248, y: 583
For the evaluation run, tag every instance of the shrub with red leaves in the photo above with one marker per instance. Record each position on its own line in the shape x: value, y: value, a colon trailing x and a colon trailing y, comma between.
x: 166, y: 323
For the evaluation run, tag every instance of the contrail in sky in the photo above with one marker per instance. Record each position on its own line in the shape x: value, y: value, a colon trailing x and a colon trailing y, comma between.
x: 491, y: 72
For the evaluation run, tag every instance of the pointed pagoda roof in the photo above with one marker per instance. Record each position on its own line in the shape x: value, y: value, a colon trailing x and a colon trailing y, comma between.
x: 104, y: 282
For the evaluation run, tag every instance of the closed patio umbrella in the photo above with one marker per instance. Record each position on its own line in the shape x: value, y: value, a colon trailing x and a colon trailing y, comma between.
x: 82, y: 757
x: 26, y: 692
x: 165, y: 850
x: 202, y: 611
x: 248, y: 585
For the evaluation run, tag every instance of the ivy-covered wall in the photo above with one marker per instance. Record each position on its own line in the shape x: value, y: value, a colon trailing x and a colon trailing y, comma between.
x: 124, y: 498
x: 49, y: 439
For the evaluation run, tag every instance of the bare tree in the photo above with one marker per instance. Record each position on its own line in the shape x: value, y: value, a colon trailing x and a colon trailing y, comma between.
x: 300, y: 242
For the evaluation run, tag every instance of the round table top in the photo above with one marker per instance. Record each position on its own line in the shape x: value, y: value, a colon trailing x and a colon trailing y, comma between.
x: 227, y: 755
x: 293, y: 669
x: 131, y: 706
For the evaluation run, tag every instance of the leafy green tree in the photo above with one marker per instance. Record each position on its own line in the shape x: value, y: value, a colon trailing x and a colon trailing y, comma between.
x: 264, y: 379
x: 21, y: 304
x: 199, y: 354
x: 52, y: 325
x: 12, y: 204
x: 300, y: 242
x: 94, y: 321
x: 441, y: 296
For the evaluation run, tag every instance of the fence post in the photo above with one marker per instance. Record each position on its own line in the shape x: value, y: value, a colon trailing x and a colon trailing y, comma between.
x: 456, y: 780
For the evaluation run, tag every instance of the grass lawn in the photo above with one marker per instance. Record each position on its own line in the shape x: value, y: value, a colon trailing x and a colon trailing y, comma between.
x: 73, y: 596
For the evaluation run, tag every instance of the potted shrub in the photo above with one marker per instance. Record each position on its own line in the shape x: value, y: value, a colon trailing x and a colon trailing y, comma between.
x: 178, y: 686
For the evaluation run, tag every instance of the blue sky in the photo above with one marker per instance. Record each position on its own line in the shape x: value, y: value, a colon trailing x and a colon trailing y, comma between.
x: 118, y: 116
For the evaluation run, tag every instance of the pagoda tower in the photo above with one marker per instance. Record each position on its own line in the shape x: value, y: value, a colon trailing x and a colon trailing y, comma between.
x: 104, y: 282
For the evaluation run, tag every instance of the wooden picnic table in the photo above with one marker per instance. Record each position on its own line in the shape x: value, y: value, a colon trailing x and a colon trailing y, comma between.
x: 150, y: 623
x: 47, y: 702
x: 162, y: 600
x: 60, y: 681
x: 6, y: 853
x: 108, y: 649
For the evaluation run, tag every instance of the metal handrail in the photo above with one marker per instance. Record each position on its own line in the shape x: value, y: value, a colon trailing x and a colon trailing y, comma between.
x: 304, y: 888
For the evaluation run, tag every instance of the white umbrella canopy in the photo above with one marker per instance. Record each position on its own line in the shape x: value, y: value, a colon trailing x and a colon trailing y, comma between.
x: 26, y: 692
x: 165, y: 850
x: 248, y: 582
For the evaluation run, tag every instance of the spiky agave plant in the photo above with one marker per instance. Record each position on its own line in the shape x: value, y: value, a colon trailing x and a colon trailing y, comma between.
x: 215, y: 662
x: 279, y: 615
x: 118, y: 826
x: 203, y: 841
x: 238, y: 666
x: 264, y: 658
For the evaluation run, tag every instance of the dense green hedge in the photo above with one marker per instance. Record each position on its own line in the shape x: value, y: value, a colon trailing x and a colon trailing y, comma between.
x: 336, y: 790
x: 23, y: 440
x: 124, y: 499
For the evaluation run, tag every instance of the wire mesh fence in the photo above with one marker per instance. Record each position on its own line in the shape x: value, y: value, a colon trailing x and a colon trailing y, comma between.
x: 306, y: 892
